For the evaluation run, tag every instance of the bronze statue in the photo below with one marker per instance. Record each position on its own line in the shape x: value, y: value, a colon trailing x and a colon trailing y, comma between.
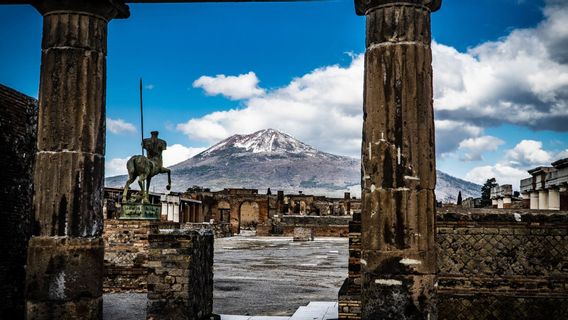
x: 145, y: 167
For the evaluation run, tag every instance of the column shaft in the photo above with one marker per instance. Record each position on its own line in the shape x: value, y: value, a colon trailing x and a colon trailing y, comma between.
x: 543, y: 200
x: 398, y: 166
x: 65, y: 257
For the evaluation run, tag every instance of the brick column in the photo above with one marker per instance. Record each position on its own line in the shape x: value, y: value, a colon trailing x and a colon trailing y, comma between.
x: 398, y: 257
x: 65, y: 256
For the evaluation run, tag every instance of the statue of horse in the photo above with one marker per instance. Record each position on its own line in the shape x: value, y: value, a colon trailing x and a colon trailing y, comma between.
x: 144, y: 169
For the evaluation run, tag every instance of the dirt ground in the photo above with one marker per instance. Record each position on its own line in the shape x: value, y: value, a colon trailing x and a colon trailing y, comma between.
x: 260, y: 276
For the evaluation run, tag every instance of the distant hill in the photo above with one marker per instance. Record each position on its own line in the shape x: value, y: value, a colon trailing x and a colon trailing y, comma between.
x: 272, y: 159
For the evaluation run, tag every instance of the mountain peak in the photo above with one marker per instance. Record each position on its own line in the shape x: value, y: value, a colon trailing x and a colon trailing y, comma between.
x: 268, y: 141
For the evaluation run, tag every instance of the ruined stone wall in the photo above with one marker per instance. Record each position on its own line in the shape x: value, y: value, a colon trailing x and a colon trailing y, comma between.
x: 18, y: 128
x: 349, y: 300
x: 126, y: 255
x: 180, y: 274
x: 502, y: 265
x: 322, y: 226
x: 219, y: 229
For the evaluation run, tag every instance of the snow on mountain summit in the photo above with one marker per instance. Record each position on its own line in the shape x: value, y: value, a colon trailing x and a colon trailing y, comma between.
x: 264, y: 141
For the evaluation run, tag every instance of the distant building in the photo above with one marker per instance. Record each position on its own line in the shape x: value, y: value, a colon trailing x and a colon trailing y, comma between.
x: 547, y: 189
x: 502, y: 196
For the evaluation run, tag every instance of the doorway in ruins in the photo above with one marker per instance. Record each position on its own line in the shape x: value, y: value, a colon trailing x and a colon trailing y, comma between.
x: 248, y: 215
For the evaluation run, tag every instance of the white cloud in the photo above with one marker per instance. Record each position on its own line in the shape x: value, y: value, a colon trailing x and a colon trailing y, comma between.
x: 504, y: 174
x: 115, y: 167
x: 520, y: 79
x: 119, y: 126
x: 475, y: 147
x: 149, y: 86
x: 239, y: 87
x: 529, y: 153
x: 177, y: 153
x: 322, y: 108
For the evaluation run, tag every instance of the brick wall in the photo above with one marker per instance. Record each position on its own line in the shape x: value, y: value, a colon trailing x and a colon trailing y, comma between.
x: 349, y: 303
x: 502, y: 264
x: 126, y: 255
x: 180, y: 274
x: 18, y: 125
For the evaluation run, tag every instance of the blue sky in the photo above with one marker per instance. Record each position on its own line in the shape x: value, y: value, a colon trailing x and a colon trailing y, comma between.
x: 212, y: 70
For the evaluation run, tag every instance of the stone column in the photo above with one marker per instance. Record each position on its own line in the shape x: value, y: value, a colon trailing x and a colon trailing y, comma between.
x: 500, y: 203
x: 534, y: 200
x: 507, y: 202
x: 398, y: 162
x: 543, y: 200
x: 65, y: 256
x: 553, y: 199
x: 495, y: 203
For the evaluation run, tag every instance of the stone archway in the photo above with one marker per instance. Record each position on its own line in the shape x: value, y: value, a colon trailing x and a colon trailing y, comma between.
x: 249, y: 212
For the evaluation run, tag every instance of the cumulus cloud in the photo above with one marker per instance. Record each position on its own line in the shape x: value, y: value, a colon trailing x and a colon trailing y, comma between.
x: 503, y: 173
x: 118, y: 126
x: 177, y: 153
x: 475, y: 147
x: 520, y: 79
x: 529, y: 153
x: 322, y: 108
x: 115, y: 167
x: 239, y: 87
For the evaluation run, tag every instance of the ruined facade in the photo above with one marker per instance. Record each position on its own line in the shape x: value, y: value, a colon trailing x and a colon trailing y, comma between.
x: 18, y: 125
x: 547, y: 189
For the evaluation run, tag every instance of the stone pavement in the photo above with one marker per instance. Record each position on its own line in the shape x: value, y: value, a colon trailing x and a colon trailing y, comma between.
x: 315, y: 310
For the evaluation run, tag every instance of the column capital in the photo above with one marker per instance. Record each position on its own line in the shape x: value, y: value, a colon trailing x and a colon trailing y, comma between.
x: 107, y: 9
x: 363, y: 6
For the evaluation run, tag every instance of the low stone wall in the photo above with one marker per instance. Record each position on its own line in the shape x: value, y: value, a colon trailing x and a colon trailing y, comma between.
x: 502, y: 264
x: 219, y: 229
x: 322, y: 226
x: 126, y: 255
x: 180, y: 274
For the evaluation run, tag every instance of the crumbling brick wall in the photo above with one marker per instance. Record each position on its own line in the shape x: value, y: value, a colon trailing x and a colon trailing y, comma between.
x: 18, y: 128
x: 126, y: 255
x: 180, y: 274
x: 502, y: 265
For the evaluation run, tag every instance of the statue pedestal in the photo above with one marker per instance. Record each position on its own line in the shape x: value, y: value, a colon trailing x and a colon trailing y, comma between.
x: 140, y: 211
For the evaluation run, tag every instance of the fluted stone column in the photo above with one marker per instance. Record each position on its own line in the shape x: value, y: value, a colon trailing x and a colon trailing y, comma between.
x: 398, y: 162
x: 65, y: 256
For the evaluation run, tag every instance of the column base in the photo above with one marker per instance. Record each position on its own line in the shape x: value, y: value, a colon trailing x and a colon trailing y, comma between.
x: 87, y: 308
x: 400, y: 297
x: 64, y: 278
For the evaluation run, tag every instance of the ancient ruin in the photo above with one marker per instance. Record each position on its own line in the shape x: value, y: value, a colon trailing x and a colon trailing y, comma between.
x: 405, y: 261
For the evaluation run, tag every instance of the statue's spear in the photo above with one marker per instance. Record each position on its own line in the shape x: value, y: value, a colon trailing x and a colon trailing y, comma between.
x: 141, y: 117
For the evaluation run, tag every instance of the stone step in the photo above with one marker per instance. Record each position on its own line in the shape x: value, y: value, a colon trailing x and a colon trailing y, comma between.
x: 317, y: 310
x: 235, y: 317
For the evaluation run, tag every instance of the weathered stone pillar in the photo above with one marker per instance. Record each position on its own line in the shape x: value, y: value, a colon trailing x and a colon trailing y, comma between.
x: 534, y: 200
x: 65, y: 256
x: 553, y: 199
x: 543, y: 200
x: 398, y: 162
